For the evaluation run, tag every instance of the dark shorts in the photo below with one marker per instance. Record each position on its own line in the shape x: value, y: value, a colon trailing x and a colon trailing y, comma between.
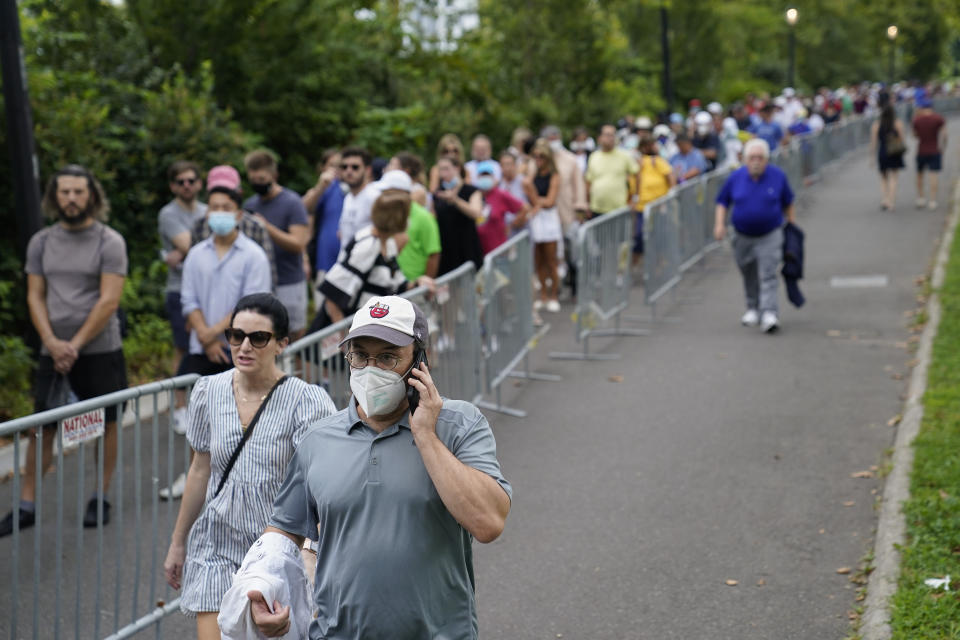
x: 638, y: 234
x: 181, y: 338
x: 91, y: 376
x: 930, y: 162
x: 199, y: 363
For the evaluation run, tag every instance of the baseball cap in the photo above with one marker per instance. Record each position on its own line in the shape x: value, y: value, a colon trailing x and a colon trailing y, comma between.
x: 789, y: 92
x: 395, y: 179
x: 223, y: 175
x: 676, y: 118
x: 643, y: 122
x: 390, y: 318
x: 661, y: 130
x: 695, y: 102
x: 486, y: 166
x: 715, y: 108
x: 702, y: 117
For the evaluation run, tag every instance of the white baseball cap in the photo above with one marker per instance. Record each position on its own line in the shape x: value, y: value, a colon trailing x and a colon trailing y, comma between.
x: 395, y: 179
x: 643, y: 122
x: 715, y: 108
x: 390, y: 318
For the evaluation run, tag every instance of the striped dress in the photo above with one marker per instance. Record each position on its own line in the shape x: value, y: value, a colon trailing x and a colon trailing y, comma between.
x: 232, y: 522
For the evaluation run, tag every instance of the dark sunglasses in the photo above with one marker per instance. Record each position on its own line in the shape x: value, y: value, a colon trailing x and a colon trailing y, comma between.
x: 185, y: 181
x: 258, y: 339
x: 355, y: 167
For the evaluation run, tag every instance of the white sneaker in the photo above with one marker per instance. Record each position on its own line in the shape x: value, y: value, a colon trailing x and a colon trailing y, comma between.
x: 768, y: 322
x: 174, y: 491
x: 179, y: 418
x: 553, y: 306
x: 537, y: 304
x: 933, y: 205
x: 921, y: 203
x: 751, y: 318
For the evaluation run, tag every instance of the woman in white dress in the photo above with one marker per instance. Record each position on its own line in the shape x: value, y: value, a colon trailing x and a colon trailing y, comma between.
x: 225, y: 508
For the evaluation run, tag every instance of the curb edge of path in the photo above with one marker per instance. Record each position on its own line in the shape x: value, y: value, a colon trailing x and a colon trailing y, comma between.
x: 891, y: 529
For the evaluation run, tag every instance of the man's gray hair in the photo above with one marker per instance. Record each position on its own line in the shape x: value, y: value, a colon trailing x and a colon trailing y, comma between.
x: 550, y: 131
x: 756, y: 144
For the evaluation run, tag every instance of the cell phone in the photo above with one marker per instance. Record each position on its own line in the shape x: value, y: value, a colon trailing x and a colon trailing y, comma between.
x: 413, y: 396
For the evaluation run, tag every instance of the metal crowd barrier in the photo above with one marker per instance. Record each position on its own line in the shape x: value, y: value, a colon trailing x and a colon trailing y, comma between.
x: 453, y: 352
x: 603, y: 280
x: 506, y: 318
x: 113, y: 575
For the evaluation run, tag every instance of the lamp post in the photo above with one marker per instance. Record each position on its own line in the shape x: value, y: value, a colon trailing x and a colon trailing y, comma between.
x: 792, y: 16
x: 892, y: 32
x: 665, y: 47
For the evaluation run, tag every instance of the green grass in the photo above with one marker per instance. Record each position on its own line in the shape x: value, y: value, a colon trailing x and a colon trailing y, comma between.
x: 933, y: 511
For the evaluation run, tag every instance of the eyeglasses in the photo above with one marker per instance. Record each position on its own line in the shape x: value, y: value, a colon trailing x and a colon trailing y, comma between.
x: 258, y: 339
x: 353, y: 167
x: 185, y: 181
x: 359, y: 359
x: 756, y: 157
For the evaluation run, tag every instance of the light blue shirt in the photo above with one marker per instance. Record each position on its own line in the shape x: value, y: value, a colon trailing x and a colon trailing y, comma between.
x: 215, y: 285
x: 392, y: 561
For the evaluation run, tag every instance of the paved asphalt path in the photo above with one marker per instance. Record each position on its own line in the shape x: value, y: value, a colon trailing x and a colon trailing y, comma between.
x: 721, y: 454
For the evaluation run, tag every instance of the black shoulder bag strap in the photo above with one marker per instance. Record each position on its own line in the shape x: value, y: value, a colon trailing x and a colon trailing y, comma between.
x: 246, y: 436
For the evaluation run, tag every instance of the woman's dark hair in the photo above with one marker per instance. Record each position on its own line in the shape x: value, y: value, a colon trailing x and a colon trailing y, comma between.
x: 887, y: 117
x: 266, y: 304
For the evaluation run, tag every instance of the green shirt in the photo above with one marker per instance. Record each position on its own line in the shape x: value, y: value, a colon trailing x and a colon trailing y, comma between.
x: 424, y: 241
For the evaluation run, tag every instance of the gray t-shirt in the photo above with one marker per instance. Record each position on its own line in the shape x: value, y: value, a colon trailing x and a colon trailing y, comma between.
x: 282, y: 211
x: 392, y: 562
x: 71, y: 263
x: 172, y: 220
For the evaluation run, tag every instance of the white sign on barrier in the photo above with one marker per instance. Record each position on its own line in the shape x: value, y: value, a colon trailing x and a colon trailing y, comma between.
x: 329, y: 346
x: 84, y: 427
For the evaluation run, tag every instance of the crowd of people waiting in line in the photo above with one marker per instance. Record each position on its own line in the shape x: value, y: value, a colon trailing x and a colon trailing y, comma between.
x: 237, y: 294
x: 378, y: 226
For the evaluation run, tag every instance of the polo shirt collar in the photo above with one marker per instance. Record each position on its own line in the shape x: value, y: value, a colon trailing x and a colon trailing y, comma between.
x: 353, y: 420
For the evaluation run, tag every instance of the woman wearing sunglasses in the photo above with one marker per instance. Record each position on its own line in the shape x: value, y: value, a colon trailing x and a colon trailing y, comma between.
x: 244, y: 426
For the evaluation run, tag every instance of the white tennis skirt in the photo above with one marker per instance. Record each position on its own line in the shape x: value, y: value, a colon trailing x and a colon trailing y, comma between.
x: 546, y: 226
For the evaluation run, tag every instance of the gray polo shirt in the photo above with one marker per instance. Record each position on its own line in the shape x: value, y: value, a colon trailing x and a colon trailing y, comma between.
x: 392, y: 562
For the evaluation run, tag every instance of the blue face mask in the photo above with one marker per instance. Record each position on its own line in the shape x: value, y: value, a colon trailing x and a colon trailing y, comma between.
x: 449, y: 184
x: 484, y: 183
x: 222, y: 223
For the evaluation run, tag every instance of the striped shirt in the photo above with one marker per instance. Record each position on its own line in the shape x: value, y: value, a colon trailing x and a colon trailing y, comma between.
x: 232, y: 521
x: 363, y: 271
x: 214, y: 285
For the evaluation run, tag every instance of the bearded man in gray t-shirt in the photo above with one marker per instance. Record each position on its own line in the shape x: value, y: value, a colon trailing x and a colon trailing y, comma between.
x: 75, y: 272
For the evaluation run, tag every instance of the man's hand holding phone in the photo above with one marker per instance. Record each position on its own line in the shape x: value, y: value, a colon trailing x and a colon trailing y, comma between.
x: 423, y: 417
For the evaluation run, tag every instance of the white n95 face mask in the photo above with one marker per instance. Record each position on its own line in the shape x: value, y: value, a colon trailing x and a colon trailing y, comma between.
x: 378, y: 391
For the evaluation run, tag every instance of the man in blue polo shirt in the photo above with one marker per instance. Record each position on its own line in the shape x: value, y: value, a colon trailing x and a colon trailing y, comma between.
x: 761, y: 198
x: 398, y: 497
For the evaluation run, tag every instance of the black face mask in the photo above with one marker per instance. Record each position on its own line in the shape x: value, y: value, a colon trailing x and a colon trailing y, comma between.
x: 261, y: 188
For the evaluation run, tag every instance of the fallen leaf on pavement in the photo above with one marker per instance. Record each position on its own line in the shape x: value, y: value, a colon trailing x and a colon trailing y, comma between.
x: 833, y: 333
x: 843, y: 570
x: 732, y: 583
x: 894, y: 421
x: 761, y: 582
x: 897, y: 376
x: 849, y: 503
x: 615, y: 378
x: 822, y: 531
x: 862, y: 474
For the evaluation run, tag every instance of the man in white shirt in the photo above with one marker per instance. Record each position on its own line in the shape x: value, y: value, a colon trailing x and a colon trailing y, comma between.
x: 355, y: 173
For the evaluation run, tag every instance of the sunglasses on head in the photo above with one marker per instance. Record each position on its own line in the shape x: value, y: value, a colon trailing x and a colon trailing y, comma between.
x: 354, y: 167
x: 185, y: 181
x: 258, y: 339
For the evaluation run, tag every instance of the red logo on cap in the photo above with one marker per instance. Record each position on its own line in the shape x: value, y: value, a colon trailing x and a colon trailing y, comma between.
x: 379, y: 310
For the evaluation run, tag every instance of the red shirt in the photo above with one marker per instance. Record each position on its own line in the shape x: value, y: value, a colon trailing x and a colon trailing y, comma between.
x: 493, y: 232
x: 927, y: 126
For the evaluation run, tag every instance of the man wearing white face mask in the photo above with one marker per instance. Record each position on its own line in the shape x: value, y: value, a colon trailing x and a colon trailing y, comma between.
x: 399, y: 496
x: 217, y: 272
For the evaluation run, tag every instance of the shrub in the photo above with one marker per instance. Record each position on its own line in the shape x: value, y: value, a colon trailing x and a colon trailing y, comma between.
x: 16, y: 366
